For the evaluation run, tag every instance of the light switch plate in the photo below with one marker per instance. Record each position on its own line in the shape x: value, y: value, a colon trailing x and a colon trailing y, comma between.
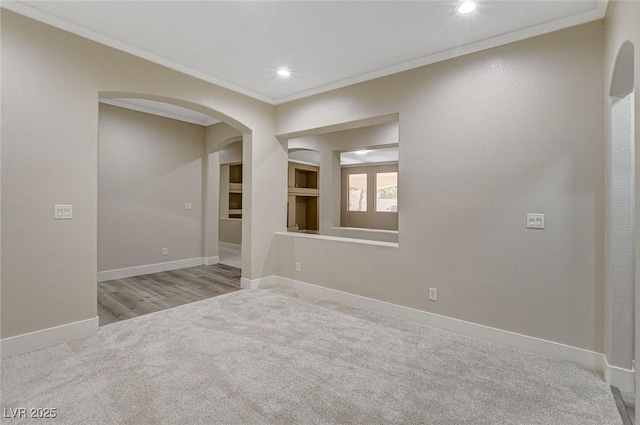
x: 433, y: 294
x: 62, y: 212
x: 535, y: 221
x: 187, y: 206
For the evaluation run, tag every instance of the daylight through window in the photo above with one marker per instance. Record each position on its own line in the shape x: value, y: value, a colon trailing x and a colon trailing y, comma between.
x: 387, y: 192
x: 357, y: 192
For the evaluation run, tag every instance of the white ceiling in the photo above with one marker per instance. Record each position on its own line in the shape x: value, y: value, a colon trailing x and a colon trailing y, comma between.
x: 358, y: 157
x: 370, y: 156
x: 240, y: 44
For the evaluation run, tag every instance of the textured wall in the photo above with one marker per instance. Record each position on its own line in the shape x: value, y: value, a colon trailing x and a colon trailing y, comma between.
x: 149, y: 167
x: 484, y: 139
x: 51, y: 82
x: 621, y: 26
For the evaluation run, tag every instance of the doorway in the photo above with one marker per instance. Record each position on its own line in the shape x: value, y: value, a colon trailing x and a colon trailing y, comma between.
x: 230, y: 184
x: 157, y: 247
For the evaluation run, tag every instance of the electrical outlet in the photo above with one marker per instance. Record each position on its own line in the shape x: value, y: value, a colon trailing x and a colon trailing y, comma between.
x: 298, y: 268
x: 165, y: 251
x: 433, y: 294
x: 187, y: 206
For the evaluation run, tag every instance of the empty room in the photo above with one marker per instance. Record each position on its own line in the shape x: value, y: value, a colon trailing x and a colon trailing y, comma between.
x: 353, y: 212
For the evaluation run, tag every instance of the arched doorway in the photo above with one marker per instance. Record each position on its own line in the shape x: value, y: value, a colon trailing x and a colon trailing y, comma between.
x: 157, y: 210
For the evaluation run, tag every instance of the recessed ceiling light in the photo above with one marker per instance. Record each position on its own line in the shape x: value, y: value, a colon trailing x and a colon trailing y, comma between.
x: 363, y: 152
x: 284, y: 72
x: 466, y: 7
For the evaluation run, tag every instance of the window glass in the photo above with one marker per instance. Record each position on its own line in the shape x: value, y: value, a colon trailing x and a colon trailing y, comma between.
x: 357, y: 192
x: 387, y: 192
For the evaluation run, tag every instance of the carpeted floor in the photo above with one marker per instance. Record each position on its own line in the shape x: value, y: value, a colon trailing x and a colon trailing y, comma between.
x: 276, y: 357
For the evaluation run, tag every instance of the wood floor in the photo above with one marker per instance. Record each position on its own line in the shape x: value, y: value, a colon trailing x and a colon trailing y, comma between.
x: 626, y: 403
x: 122, y: 299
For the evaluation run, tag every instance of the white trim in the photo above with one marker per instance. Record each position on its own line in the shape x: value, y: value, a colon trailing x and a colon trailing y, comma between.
x: 339, y: 239
x: 366, y: 229
x: 228, y: 244
x: 39, y: 15
x: 120, y: 103
x: 43, y: 338
x: 624, y: 379
x: 210, y: 261
x: 296, y: 161
x: 594, y: 14
x: 550, y: 349
x: 597, y: 12
x: 260, y: 283
x: 150, y: 268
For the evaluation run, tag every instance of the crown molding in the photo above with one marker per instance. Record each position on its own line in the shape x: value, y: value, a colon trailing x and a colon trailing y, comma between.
x: 594, y: 14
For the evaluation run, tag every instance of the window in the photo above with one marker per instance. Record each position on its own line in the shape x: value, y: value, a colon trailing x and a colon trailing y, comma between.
x: 369, y: 189
x: 357, y: 192
x: 387, y: 192
x: 369, y: 196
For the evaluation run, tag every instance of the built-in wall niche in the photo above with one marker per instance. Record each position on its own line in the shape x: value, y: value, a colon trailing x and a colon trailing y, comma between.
x: 230, y: 193
x: 235, y: 174
x: 303, y: 189
x: 304, y: 178
x: 231, y: 190
x: 235, y: 191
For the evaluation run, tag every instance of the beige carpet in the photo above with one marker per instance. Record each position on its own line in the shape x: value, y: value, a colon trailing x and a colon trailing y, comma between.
x: 274, y: 357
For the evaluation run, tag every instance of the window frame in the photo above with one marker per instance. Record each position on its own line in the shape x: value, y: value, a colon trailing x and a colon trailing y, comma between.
x: 371, y: 218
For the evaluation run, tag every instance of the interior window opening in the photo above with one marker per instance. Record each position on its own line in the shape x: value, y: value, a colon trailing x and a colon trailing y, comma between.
x: 369, y: 180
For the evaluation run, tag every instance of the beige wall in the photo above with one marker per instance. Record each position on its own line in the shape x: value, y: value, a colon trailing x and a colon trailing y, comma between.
x: 51, y: 82
x: 220, y: 135
x: 229, y: 229
x: 622, y: 25
x: 231, y: 153
x: 149, y: 167
x: 484, y: 139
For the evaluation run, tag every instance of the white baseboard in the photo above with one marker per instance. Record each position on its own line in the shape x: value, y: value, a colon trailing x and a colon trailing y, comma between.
x: 624, y: 379
x: 261, y: 283
x: 39, y: 339
x: 210, y: 261
x: 151, y: 268
x: 230, y: 245
x: 550, y: 349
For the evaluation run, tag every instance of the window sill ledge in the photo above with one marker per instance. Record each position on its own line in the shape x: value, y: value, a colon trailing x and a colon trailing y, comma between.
x: 340, y: 239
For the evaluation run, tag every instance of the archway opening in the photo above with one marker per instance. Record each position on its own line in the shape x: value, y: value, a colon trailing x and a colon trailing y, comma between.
x: 159, y: 204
